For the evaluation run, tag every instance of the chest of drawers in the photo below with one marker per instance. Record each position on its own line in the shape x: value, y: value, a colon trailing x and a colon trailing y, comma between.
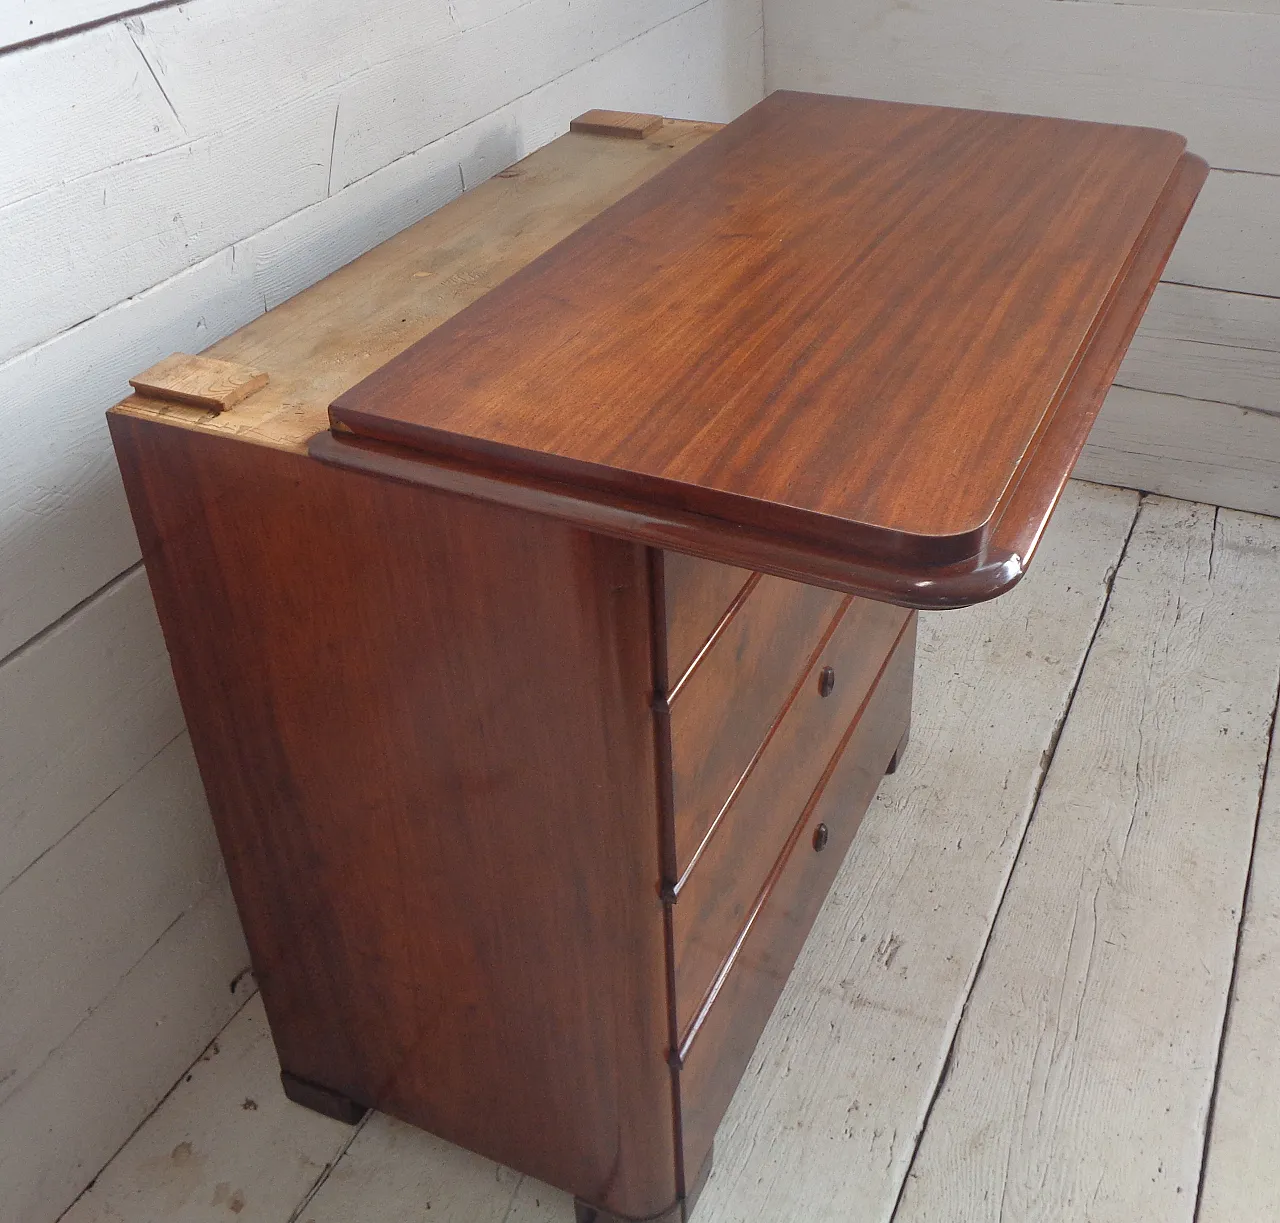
x: 531, y: 764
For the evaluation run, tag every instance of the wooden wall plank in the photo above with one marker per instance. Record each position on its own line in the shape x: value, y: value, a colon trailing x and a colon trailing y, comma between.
x: 267, y: 133
x: 62, y: 494
x: 88, y: 705
x: 829, y: 1108
x: 1228, y: 6
x: 1240, y: 1179
x: 1083, y: 1067
x: 1205, y: 344
x: 64, y: 526
x: 76, y: 249
x: 71, y: 1116
x: 1230, y: 239
x: 1209, y: 75
x: 225, y: 1143
x: 68, y: 103
x: 1186, y: 448
x: 380, y: 111
x: 79, y: 919
x: 24, y: 20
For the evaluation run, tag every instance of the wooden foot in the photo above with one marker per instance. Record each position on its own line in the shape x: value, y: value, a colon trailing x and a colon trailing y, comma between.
x: 677, y: 1213
x: 321, y: 1099
x: 582, y: 1213
x: 897, y: 753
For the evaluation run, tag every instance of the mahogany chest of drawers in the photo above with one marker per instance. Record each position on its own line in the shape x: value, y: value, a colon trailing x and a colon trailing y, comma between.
x: 534, y: 739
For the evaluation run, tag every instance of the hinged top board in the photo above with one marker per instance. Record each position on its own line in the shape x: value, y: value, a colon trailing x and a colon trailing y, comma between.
x: 869, y: 332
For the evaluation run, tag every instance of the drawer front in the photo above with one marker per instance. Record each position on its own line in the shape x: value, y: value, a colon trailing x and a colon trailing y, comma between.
x: 714, y: 899
x: 723, y: 712
x: 716, y: 1054
x: 697, y: 595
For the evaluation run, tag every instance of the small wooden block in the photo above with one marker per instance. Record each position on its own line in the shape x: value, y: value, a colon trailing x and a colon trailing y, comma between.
x: 624, y: 123
x: 322, y: 1100
x: 202, y: 381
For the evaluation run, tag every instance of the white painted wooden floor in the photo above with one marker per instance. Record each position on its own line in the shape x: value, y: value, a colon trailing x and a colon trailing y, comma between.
x: 1046, y: 985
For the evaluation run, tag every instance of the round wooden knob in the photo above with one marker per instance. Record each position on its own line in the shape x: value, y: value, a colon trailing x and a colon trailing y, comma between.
x: 826, y: 681
x: 820, y: 837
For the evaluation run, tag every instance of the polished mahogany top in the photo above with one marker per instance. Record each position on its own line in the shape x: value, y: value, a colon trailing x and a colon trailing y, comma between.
x: 843, y: 323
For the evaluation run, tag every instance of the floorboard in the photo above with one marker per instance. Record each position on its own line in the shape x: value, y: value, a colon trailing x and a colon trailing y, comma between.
x: 225, y: 1145
x: 1083, y: 1067
x: 1242, y: 1170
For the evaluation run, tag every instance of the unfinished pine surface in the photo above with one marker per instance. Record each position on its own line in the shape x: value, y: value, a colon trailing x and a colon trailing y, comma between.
x: 1084, y: 1065
x: 321, y: 342
x: 1086, y: 1016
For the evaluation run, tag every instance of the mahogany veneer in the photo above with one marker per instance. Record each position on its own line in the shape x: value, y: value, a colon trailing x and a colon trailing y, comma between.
x: 536, y: 718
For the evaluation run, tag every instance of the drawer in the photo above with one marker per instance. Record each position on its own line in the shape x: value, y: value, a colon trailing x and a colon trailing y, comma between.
x: 697, y: 595
x: 715, y: 1054
x: 722, y: 713
x: 713, y: 900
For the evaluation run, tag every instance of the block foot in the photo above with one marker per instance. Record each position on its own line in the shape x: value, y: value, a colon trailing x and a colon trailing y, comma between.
x: 897, y: 753
x: 677, y: 1213
x: 896, y: 759
x: 321, y: 1099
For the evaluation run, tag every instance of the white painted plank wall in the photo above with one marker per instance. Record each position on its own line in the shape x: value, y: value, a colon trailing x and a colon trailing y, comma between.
x: 23, y: 21
x: 163, y: 180
x: 1208, y: 70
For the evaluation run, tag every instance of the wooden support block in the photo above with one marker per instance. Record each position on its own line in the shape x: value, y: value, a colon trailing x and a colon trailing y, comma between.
x: 201, y: 381
x: 624, y: 123
x: 322, y: 1100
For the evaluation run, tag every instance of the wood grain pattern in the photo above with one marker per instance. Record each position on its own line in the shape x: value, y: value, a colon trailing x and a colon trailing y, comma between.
x: 864, y: 312
x: 414, y: 807
x: 716, y: 1052
x: 721, y: 717
x: 201, y: 381
x: 715, y: 897
x: 697, y: 595
x: 626, y: 124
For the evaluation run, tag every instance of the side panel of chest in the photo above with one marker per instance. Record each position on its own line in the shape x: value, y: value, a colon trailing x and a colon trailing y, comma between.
x: 424, y: 727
